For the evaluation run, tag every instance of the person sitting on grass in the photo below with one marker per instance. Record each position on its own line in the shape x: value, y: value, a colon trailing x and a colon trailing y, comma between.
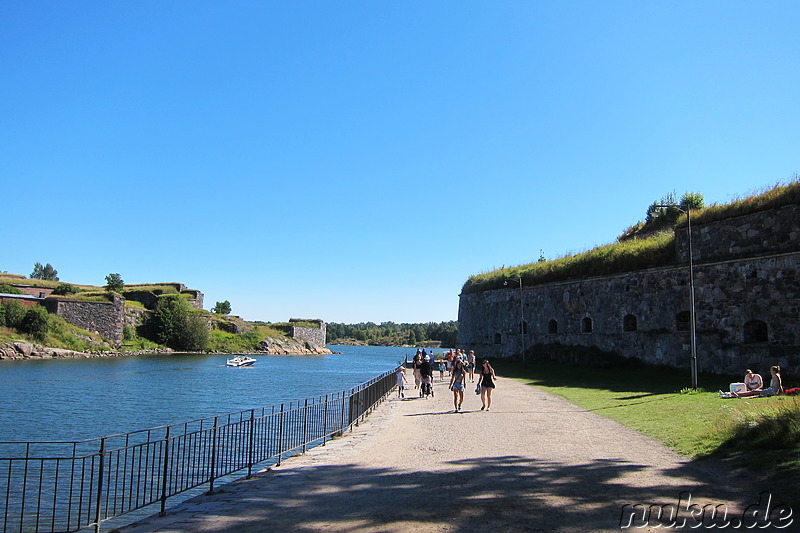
x: 752, y: 380
x: 775, y: 386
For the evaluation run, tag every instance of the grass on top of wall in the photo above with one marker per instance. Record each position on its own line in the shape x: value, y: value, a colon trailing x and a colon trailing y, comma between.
x: 779, y: 195
x: 638, y: 248
x: 8, y: 279
x: 154, y: 288
x: 627, y: 256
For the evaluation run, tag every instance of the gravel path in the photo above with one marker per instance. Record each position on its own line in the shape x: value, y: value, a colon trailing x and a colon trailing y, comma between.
x: 535, y: 462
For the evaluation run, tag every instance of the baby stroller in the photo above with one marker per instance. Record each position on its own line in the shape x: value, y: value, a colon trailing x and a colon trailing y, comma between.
x: 426, y: 389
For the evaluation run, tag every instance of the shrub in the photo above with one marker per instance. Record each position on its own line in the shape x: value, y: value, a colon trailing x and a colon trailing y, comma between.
x: 35, y: 322
x: 128, y: 332
x: 14, y: 313
x: 174, y: 324
x: 65, y: 289
x: 8, y: 289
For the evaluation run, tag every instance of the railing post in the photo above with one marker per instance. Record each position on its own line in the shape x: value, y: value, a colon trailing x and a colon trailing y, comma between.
x: 213, y: 457
x: 250, y: 443
x: 341, y: 425
x: 101, y: 464
x: 164, y: 473
x: 325, y: 422
x: 305, y: 425
x: 280, y: 437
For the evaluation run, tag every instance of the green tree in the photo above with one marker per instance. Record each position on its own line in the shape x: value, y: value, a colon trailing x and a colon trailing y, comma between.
x: 44, y: 272
x: 174, y: 324
x: 35, y: 322
x: 692, y: 200
x: 222, y: 308
x: 114, y: 283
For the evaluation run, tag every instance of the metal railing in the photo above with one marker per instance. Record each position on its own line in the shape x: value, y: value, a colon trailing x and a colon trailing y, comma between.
x: 71, y: 486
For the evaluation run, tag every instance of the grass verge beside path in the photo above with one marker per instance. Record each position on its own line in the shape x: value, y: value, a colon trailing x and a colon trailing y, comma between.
x: 761, y: 434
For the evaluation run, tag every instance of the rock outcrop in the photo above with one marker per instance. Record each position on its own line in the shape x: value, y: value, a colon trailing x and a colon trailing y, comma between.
x: 289, y: 346
x: 26, y: 350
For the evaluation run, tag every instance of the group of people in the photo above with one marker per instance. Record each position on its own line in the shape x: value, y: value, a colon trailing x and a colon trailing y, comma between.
x: 460, y: 366
x: 754, y: 385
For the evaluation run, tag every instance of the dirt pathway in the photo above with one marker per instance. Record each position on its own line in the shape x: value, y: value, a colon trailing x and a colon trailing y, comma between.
x: 535, y: 462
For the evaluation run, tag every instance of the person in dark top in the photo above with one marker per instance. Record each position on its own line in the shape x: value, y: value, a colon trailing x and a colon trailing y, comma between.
x: 426, y: 373
x: 487, y: 378
x: 415, y: 366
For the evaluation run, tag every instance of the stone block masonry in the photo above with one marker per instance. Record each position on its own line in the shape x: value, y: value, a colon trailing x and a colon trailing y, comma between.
x: 313, y: 336
x: 747, y: 304
x: 104, y: 318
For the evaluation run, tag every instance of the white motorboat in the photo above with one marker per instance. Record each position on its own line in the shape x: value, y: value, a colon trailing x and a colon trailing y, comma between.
x: 241, y: 360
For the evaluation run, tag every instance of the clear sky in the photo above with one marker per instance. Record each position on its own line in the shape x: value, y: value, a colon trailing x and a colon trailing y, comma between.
x: 359, y: 160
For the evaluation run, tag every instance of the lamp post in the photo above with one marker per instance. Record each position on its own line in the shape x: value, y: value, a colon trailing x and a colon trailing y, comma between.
x: 692, y: 326
x: 521, y: 316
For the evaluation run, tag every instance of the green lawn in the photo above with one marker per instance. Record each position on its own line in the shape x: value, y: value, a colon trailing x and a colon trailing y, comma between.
x: 758, y: 432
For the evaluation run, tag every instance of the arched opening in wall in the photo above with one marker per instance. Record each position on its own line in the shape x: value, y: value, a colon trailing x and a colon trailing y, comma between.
x: 523, y: 327
x: 755, y: 331
x: 497, y: 338
x: 682, y: 320
x: 629, y: 323
x: 552, y: 326
x: 586, y: 325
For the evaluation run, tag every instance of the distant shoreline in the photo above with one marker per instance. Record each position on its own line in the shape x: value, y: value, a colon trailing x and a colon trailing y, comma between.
x: 20, y: 351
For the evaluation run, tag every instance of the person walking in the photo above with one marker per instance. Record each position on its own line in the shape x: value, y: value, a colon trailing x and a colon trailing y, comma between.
x: 415, y: 367
x: 457, y: 379
x: 401, y: 380
x: 487, y: 379
x: 426, y: 376
x: 471, y: 366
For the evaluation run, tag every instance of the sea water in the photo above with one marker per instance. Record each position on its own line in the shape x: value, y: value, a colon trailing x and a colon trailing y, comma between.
x: 77, y: 399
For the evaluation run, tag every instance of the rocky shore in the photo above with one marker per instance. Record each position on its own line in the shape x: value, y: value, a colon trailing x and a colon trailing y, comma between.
x: 25, y: 350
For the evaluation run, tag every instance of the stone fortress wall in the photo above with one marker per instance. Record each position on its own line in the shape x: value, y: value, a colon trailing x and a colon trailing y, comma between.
x: 314, y: 336
x: 104, y: 318
x: 747, y: 304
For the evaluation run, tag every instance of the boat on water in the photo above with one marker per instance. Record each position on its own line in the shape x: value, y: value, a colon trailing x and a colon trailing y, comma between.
x: 241, y: 360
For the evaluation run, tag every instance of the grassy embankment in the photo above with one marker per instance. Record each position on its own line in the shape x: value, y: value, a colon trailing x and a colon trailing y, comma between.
x: 760, y: 434
x: 61, y: 334
x: 642, y: 246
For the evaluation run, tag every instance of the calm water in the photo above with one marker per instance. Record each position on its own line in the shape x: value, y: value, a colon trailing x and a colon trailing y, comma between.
x: 76, y: 399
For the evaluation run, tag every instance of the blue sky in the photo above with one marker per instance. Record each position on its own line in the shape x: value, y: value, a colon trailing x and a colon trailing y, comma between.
x: 358, y: 161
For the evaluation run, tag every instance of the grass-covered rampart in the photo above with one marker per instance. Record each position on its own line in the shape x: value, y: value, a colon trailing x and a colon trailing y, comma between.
x: 627, y: 256
x: 642, y: 246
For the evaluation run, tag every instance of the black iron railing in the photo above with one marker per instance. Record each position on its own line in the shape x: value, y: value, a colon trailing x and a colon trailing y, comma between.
x: 71, y: 486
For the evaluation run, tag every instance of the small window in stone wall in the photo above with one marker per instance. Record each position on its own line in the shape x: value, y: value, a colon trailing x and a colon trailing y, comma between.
x: 497, y: 338
x: 755, y: 331
x: 682, y: 321
x: 523, y: 327
x: 552, y: 326
x: 629, y: 323
x: 586, y: 325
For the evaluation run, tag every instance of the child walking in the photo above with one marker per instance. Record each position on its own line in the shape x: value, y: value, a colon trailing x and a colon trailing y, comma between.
x: 401, y: 380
